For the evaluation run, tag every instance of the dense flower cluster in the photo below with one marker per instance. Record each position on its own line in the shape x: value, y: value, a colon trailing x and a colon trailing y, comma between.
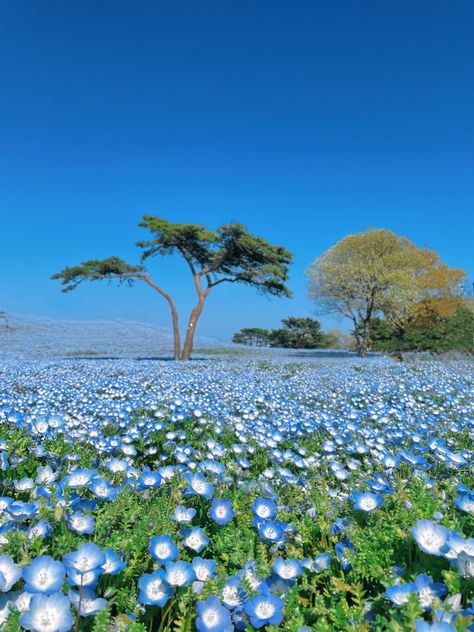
x: 236, y: 494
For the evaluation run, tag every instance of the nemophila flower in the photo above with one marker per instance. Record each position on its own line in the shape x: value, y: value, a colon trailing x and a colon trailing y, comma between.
x: 179, y: 573
x: 154, y: 589
x: 264, y: 508
x: 88, y: 578
x: 113, y: 563
x: 213, y: 616
x: 343, y: 551
x: 48, y: 613
x: 198, y: 485
x: 430, y: 536
x: 149, y: 480
x: 400, y: 593
x: 20, y: 511
x: 81, y: 523
x: 39, y: 530
x: 24, y: 484
x: 321, y: 562
x: 442, y: 626
x: 182, y: 515
x: 270, y: 531
x: 428, y: 591
x: 204, y: 569
x: 366, y: 501
x: 103, y: 489
x: 264, y: 608
x: 465, y: 503
x: 88, y: 557
x: 194, y: 539
x: 163, y: 549
x: 221, y: 511
x: 465, y: 564
x: 44, y: 575
x: 10, y: 573
x: 233, y: 594
x: 287, y: 569
x: 86, y: 602
x: 339, y: 526
x: 79, y: 478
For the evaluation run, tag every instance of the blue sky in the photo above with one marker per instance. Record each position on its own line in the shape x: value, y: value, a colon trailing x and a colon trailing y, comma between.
x: 304, y: 120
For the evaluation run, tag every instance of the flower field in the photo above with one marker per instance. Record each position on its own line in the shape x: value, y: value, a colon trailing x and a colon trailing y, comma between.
x: 236, y: 494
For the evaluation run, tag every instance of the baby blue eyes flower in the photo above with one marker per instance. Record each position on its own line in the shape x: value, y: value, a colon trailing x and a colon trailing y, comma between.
x: 213, y: 616
x: 221, y: 511
x: 182, y: 515
x: 400, y: 593
x: 10, y: 573
x: 264, y: 508
x: 465, y: 503
x: 81, y: 523
x: 88, y: 557
x: 427, y: 590
x: 47, y: 614
x: 149, y: 480
x: 270, y: 531
x: 154, y: 589
x: 198, y: 485
x: 179, y: 573
x: 113, y: 563
x: 86, y: 602
x: 264, y: 608
x: 287, y: 569
x: 366, y: 501
x: 194, y: 539
x: 204, y: 569
x: 442, y: 626
x: 44, y: 575
x: 80, y: 478
x: 103, y: 489
x: 163, y: 549
x: 430, y: 536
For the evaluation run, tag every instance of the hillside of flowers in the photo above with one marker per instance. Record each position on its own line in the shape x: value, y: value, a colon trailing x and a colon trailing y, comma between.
x: 236, y: 494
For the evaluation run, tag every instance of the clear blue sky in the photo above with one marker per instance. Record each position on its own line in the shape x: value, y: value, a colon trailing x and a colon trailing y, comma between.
x: 303, y: 120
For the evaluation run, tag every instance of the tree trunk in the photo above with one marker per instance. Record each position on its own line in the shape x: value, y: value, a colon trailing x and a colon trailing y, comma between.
x: 176, y: 335
x: 189, y: 340
x: 363, y: 340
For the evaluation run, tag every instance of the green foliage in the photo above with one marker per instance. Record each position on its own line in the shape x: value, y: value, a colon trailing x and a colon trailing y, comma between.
x: 296, y: 333
x: 438, y: 334
x: 98, y: 269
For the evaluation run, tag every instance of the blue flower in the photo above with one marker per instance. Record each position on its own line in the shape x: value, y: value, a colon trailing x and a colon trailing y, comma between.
x: 270, y: 531
x: 212, y: 616
x: 47, y: 613
x: 264, y: 608
x: 88, y: 557
x: 466, y: 503
x: 154, y: 589
x: 182, y: 515
x: 198, y: 485
x: 287, y: 569
x: 179, y: 573
x: 400, y: 593
x: 87, y: 603
x: 233, y: 594
x: 430, y: 536
x: 163, y: 549
x: 81, y: 523
x: 44, y: 575
x: 221, y: 511
x: 149, y: 480
x: 10, y: 573
x: 113, y: 563
x: 264, y: 508
x: 194, y: 539
x: 442, y: 626
x: 366, y: 501
x: 204, y: 569
x: 427, y: 590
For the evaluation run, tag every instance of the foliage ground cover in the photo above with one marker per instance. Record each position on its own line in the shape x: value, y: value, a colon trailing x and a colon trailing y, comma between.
x: 236, y: 493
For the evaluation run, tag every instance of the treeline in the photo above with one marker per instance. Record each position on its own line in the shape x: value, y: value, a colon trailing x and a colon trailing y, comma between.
x: 435, y: 334
x: 296, y: 333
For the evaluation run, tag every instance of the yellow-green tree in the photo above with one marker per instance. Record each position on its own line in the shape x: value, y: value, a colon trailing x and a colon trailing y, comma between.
x: 379, y: 272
